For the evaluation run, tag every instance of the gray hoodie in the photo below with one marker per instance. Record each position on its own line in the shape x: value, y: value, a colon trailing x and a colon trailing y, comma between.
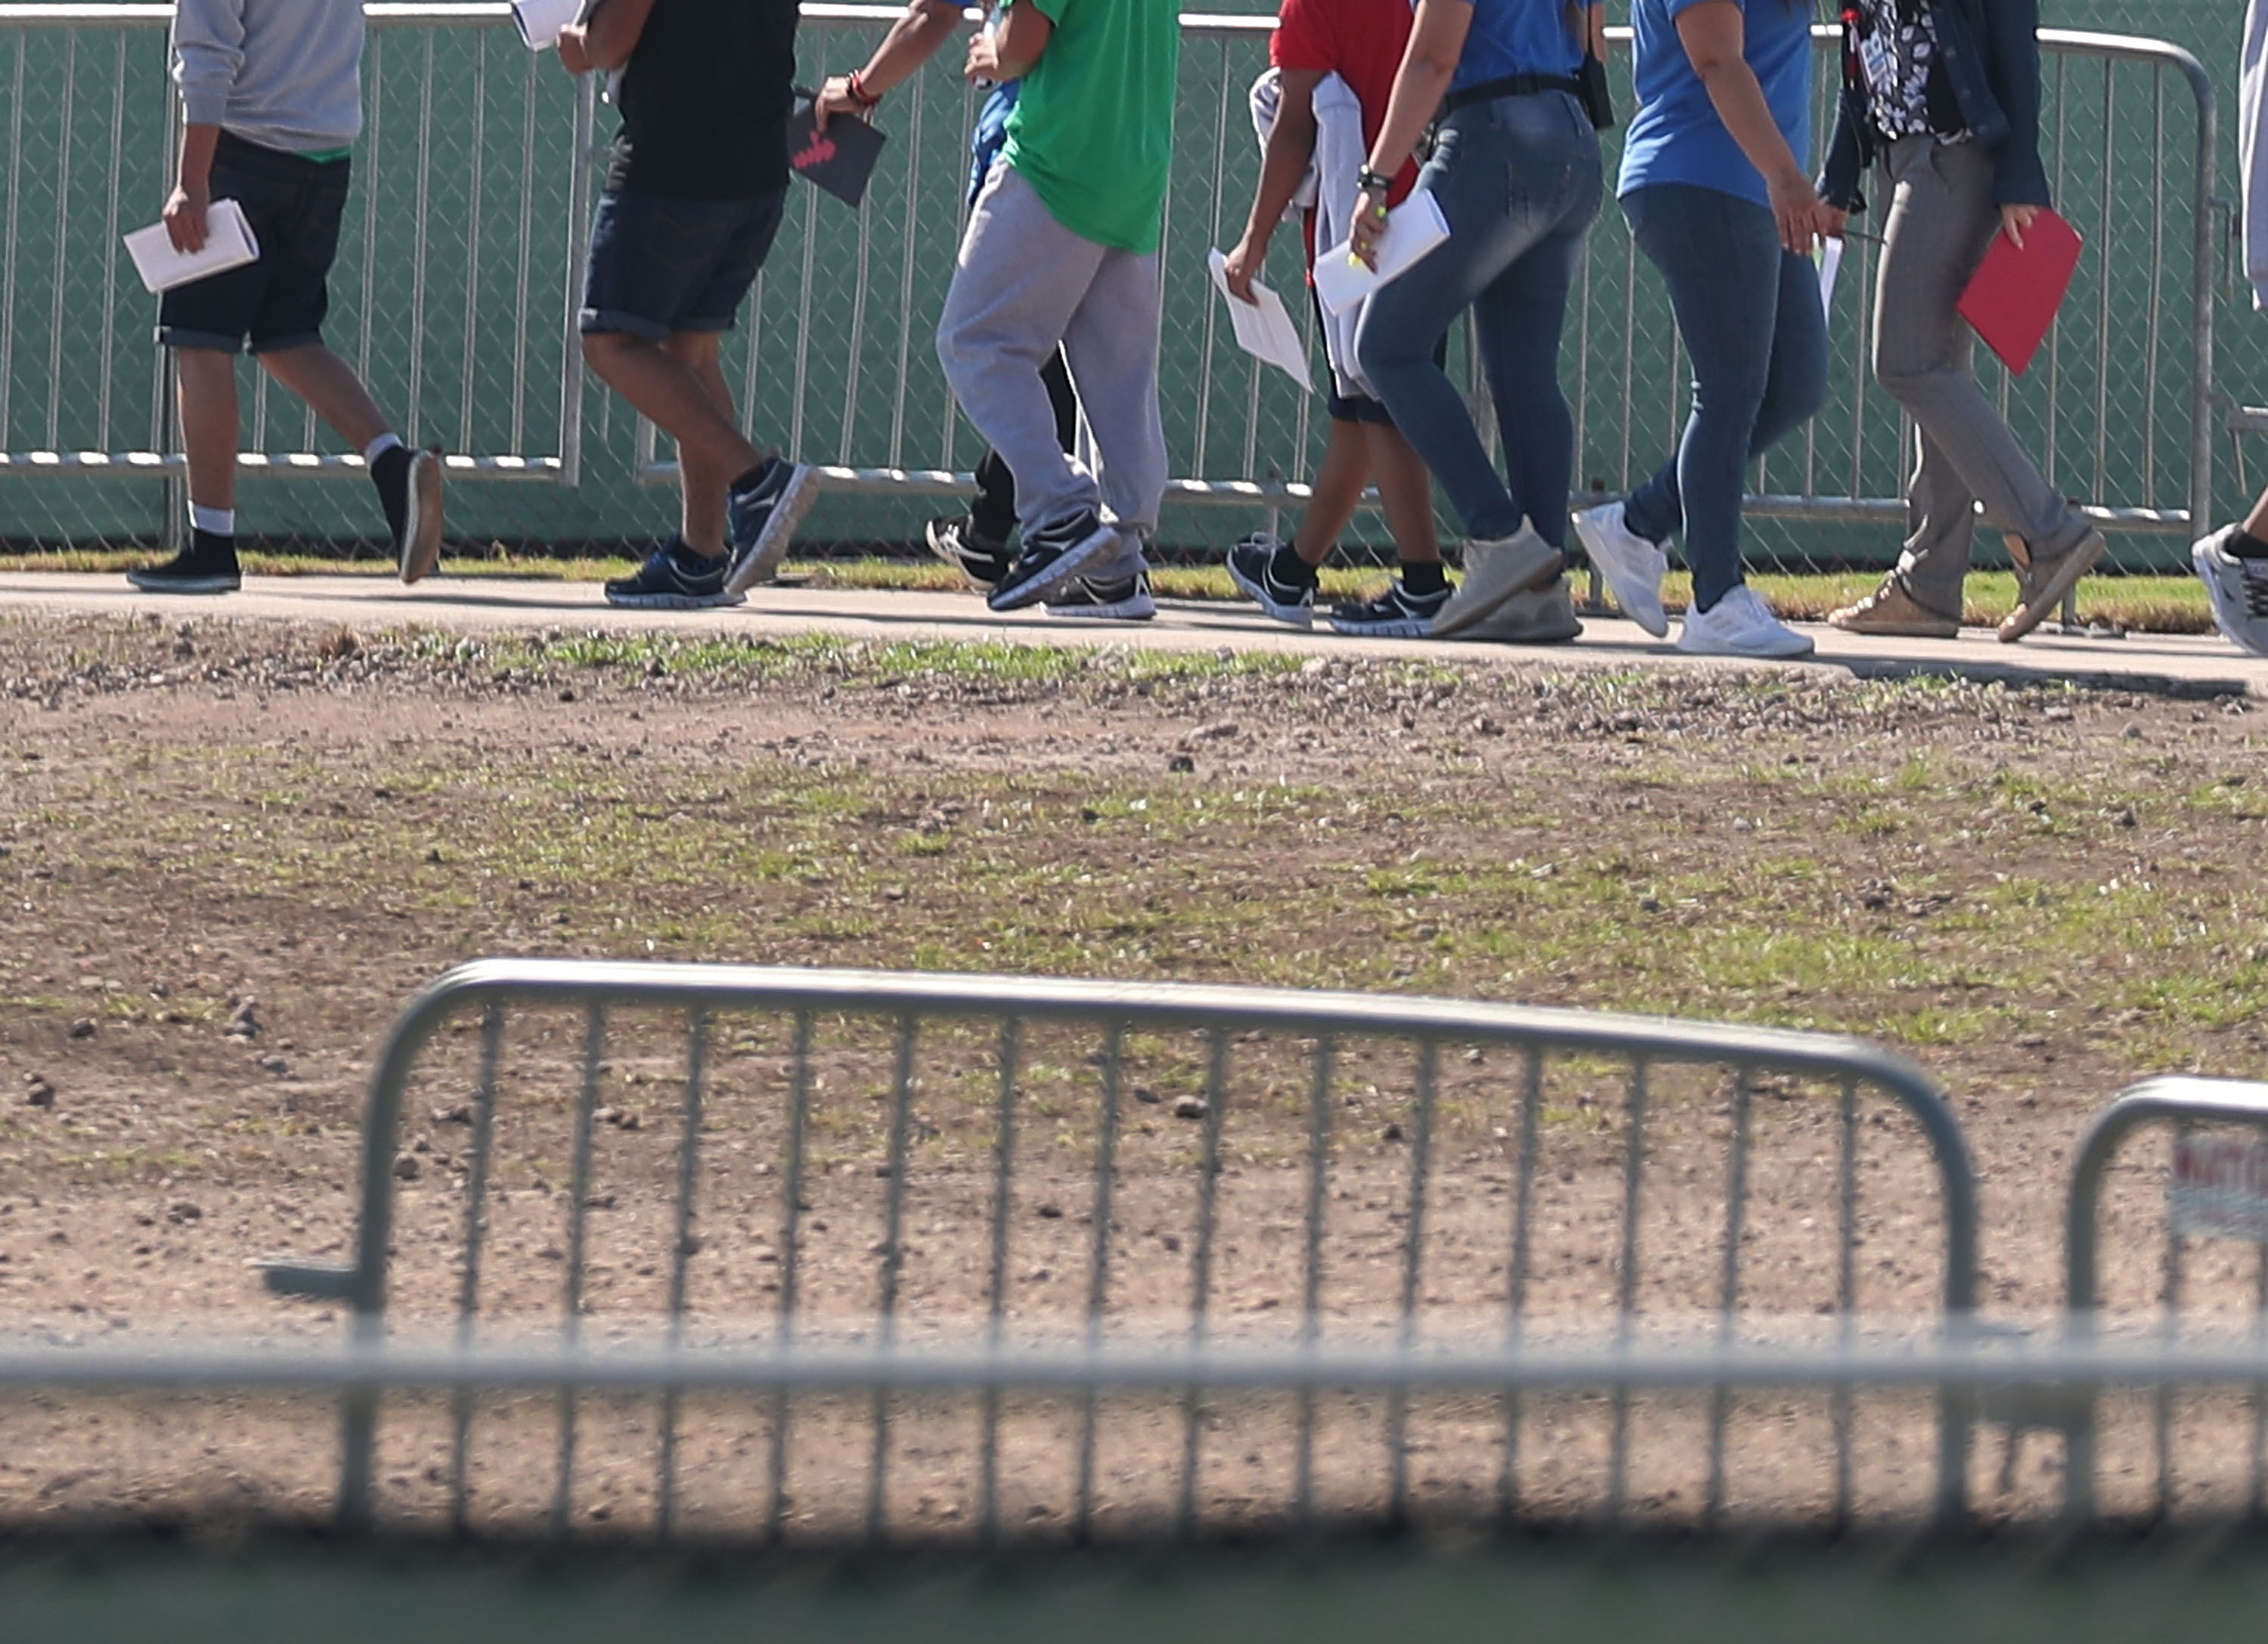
x: 285, y: 74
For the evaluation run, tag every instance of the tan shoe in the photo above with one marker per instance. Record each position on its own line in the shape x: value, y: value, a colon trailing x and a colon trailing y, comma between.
x: 1892, y: 611
x: 2042, y: 581
x: 1496, y: 568
x: 1541, y: 616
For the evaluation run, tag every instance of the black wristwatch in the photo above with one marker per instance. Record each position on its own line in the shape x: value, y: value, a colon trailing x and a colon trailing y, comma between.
x: 1368, y: 180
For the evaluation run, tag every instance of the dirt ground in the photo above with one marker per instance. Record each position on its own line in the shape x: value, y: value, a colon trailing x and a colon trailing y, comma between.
x: 228, y: 854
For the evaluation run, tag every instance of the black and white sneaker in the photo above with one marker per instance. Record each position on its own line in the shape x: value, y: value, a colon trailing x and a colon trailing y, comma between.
x: 1251, y: 566
x: 674, y: 578
x: 207, y: 566
x: 1397, y: 613
x: 1105, y: 599
x: 1052, y: 555
x: 980, y: 558
x: 409, y: 489
x: 762, y: 520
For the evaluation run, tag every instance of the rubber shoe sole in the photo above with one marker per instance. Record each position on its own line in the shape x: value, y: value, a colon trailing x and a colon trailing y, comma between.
x: 1507, y: 568
x: 420, y: 549
x: 675, y: 602
x: 1014, y: 595
x: 762, y: 562
x: 2049, y: 594
x: 227, y: 584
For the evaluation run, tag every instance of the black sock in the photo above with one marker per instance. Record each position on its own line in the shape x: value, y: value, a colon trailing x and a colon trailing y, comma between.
x: 2245, y: 546
x: 1422, y: 576
x: 1286, y: 567
x: 211, y: 547
x: 390, y: 461
x: 754, y: 477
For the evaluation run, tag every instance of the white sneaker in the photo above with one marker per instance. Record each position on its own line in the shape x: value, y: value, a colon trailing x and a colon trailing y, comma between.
x: 2239, y: 589
x: 1741, y: 624
x: 1633, y: 567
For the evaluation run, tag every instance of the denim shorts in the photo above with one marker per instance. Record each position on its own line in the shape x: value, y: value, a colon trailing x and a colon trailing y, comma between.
x: 294, y: 205
x: 661, y: 266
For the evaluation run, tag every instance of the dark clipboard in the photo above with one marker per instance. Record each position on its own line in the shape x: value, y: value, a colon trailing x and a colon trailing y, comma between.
x: 839, y: 159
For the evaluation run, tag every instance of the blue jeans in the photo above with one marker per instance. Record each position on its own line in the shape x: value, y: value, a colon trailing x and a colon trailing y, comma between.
x: 1748, y: 312
x: 1518, y: 182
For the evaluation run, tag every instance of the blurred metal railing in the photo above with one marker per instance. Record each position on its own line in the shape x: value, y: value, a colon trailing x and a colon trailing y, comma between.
x: 457, y: 289
x: 2215, y: 1186
x: 991, y: 1109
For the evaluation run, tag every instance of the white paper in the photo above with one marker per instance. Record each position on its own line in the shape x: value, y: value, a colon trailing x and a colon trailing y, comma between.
x: 540, y: 20
x: 1414, y: 229
x: 229, y: 244
x: 1264, y: 328
x: 1831, y: 266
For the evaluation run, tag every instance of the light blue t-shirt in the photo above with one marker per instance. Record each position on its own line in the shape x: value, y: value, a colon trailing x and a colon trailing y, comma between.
x: 1675, y: 136
x: 1511, y: 37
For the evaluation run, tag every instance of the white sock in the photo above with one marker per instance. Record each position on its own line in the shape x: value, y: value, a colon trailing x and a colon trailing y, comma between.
x: 219, y: 522
x: 379, y: 446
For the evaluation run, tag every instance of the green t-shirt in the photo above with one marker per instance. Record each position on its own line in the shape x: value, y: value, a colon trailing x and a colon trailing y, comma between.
x: 1094, y: 128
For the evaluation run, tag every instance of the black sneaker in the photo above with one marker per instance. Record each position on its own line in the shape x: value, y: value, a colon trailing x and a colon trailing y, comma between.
x: 1099, y: 599
x: 409, y: 489
x: 1052, y: 555
x: 1251, y: 566
x: 979, y: 558
x: 674, y: 578
x: 1397, y: 613
x: 207, y: 566
x: 762, y: 520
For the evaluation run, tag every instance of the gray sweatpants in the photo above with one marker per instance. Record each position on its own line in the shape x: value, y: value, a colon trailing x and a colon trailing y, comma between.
x: 1023, y: 284
x: 1941, y: 221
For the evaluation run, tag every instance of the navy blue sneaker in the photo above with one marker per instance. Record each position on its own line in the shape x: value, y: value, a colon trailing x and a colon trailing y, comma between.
x: 1052, y: 555
x: 674, y: 578
x: 1251, y: 566
x: 1105, y: 599
x: 978, y: 558
x: 1397, y: 613
x: 762, y: 520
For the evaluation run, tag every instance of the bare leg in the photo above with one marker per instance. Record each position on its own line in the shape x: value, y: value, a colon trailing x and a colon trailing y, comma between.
x: 676, y: 399
x: 2255, y: 523
x: 207, y: 379
x: 1337, y: 493
x: 329, y: 384
x: 1405, y: 486
x: 703, y: 482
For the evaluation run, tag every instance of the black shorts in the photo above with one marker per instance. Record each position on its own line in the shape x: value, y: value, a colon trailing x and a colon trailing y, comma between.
x: 294, y: 205
x: 1360, y: 407
x: 661, y: 266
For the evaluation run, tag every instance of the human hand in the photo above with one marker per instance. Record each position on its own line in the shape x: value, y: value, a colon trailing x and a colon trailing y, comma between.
x: 1370, y: 217
x: 2015, y: 219
x: 574, y: 48
x: 1835, y: 220
x: 834, y: 98
x: 185, y: 215
x: 983, y: 57
x: 1244, y: 264
x: 1797, y: 208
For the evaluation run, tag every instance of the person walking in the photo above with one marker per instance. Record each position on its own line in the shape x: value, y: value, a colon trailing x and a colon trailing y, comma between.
x: 693, y: 202
x: 271, y: 104
x: 2233, y: 562
x: 1515, y: 170
x: 1718, y: 196
x: 1333, y: 65
x: 1946, y: 93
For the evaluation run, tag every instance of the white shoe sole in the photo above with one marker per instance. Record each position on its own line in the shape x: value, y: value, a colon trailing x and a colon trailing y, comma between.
x: 763, y: 560
x: 1408, y: 627
x: 200, y: 585
x: 1636, y: 586
x: 1290, y: 616
x: 1073, y: 562
x: 1795, y: 648
x: 422, y: 552
x: 675, y: 601
x: 2228, y: 616
x: 1140, y: 608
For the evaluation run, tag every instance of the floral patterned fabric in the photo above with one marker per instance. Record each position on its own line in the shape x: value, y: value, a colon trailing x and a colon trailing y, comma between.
x: 1898, y: 54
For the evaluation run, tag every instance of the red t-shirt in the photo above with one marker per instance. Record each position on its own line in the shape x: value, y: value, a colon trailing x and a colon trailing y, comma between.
x: 1359, y: 40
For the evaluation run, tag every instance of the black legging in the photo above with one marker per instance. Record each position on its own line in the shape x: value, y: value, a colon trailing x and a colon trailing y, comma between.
x: 993, y: 514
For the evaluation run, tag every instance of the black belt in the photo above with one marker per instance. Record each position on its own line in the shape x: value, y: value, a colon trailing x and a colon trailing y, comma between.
x: 1511, y: 85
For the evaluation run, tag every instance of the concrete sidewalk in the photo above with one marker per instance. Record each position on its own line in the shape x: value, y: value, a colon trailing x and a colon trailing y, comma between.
x: 2166, y: 665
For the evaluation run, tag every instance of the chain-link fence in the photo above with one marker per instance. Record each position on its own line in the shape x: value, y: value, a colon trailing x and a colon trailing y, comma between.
x: 454, y: 292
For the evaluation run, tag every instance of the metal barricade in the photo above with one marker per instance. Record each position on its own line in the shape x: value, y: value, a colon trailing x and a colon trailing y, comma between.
x: 457, y: 280
x: 2215, y: 1187
x: 863, y: 1163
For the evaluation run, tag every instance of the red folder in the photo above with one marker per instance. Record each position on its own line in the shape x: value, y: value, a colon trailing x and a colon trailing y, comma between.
x: 2014, y: 299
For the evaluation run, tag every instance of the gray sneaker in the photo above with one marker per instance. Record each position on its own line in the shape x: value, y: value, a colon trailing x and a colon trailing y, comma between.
x: 1541, y: 616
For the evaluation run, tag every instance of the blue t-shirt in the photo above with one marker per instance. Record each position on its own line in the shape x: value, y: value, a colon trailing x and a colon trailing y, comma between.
x: 1511, y: 37
x: 1677, y: 137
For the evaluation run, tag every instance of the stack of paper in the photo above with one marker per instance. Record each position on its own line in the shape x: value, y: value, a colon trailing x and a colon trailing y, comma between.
x: 540, y: 21
x: 1416, y: 227
x: 1264, y: 329
x: 229, y: 244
